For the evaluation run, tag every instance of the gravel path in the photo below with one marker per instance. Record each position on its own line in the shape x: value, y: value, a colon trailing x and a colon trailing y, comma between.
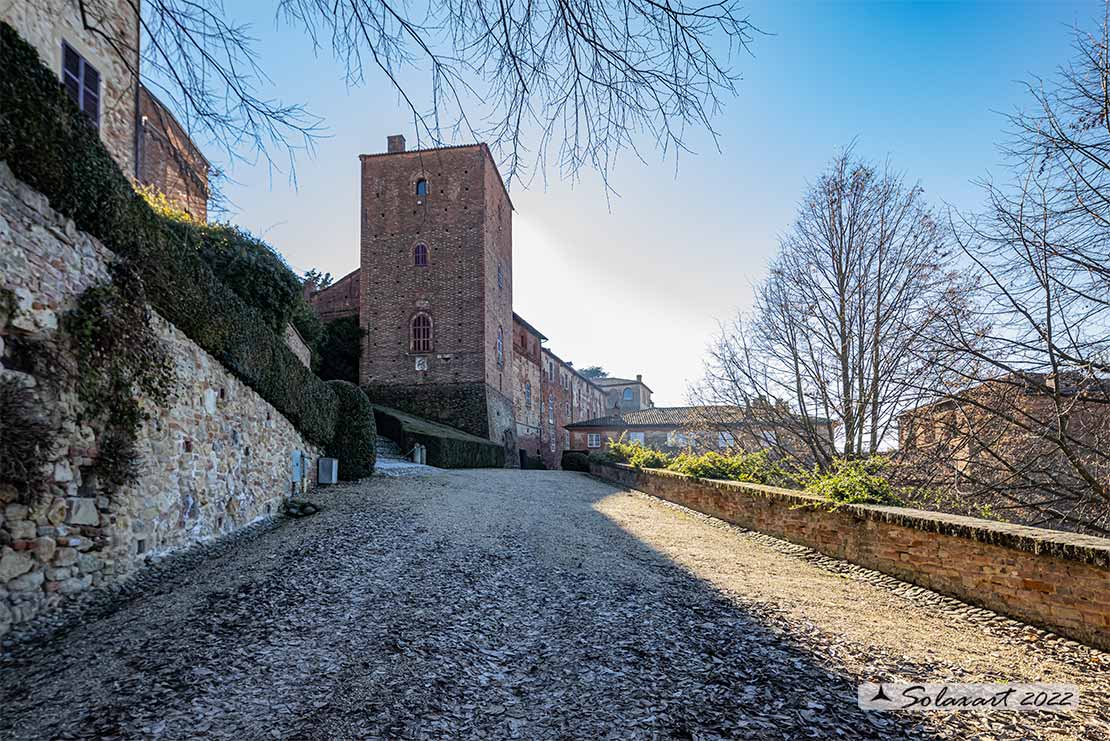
x: 518, y: 604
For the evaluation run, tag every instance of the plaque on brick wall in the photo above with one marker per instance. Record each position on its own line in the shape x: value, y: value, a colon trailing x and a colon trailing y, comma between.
x: 421, y: 364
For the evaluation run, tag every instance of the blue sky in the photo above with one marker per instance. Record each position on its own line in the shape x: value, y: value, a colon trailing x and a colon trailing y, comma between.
x: 638, y: 283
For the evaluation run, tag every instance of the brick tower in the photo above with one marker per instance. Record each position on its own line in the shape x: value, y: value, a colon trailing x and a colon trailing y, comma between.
x: 437, y: 287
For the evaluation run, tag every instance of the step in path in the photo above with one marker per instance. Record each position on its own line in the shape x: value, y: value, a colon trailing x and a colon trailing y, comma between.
x: 392, y: 462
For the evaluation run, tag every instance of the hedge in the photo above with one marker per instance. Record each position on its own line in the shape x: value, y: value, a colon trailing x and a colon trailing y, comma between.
x: 446, y: 446
x: 339, y: 349
x: 576, y: 460
x: 353, y: 443
x: 49, y: 144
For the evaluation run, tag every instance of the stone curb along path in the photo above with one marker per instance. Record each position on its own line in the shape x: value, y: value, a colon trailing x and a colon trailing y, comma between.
x: 512, y: 604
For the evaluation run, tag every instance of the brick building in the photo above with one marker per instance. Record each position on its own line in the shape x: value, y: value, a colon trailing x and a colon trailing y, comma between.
x: 1003, y: 425
x: 436, y: 287
x: 168, y: 159
x: 341, y: 299
x: 626, y: 394
x: 434, y: 294
x: 98, y: 65
x: 698, y: 428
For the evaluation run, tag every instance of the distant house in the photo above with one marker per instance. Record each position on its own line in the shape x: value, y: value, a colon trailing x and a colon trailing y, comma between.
x: 625, y: 394
x: 673, y: 429
x: 1006, y: 423
x: 93, y: 47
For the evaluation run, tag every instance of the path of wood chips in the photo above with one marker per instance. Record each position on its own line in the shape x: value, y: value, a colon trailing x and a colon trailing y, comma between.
x: 517, y: 604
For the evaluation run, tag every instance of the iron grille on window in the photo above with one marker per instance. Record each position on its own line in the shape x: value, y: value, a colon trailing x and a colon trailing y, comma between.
x: 421, y: 333
x: 420, y: 256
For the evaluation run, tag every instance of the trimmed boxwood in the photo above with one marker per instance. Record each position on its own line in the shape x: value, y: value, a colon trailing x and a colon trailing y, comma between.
x: 339, y: 349
x: 355, y: 432
x: 576, y: 460
x: 49, y: 144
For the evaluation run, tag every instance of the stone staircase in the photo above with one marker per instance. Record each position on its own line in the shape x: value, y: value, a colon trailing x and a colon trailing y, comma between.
x: 392, y: 462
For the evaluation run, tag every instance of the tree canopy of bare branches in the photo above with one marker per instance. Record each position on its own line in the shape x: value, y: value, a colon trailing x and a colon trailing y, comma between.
x: 836, y: 343
x: 563, y: 83
x: 1029, y: 413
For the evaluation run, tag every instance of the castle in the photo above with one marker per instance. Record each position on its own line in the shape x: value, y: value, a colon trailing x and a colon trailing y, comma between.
x: 434, y: 297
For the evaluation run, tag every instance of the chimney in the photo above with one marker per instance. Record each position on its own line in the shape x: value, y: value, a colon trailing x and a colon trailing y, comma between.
x: 395, y: 143
x: 639, y: 378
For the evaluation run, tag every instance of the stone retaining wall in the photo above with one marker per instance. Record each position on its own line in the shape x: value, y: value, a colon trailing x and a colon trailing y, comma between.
x: 212, y: 460
x: 1057, y: 580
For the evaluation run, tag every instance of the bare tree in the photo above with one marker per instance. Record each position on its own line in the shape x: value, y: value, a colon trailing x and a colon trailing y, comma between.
x: 569, y: 83
x: 1027, y: 420
x: 836, y: 343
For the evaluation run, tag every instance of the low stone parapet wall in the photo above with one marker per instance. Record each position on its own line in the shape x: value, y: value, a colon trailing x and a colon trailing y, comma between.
x: 1056, y: 580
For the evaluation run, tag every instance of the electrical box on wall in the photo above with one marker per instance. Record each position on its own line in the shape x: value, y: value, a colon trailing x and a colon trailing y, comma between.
x: 328, y: 471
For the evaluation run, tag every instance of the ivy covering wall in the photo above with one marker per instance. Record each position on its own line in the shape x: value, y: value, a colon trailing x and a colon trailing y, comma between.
x: 49, y: 145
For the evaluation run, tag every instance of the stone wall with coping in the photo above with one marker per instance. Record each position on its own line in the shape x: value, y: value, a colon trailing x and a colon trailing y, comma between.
x: 212, y: 460
x: 296, y: 343
x: 1057, y: 580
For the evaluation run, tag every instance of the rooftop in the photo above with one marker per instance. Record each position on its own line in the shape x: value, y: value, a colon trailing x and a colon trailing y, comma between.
x: 668, y: 417
x: 614, y: 381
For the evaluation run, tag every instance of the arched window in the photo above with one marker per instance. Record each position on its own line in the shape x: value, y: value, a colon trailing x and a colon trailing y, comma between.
x: 628, y: 394
x: 421, y: 187
x: 528, y: 394
x: 420, y: 256
x: 421, y: 333
x: 500, y: 347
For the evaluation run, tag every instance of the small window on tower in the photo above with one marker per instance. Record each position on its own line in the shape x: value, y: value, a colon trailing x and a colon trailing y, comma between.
x: 500, y: 277
x: 420, y: 256
x: 421, y: 187
x: 500, y: 347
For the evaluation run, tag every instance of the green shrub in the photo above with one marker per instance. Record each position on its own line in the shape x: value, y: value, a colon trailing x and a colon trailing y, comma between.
x: 355, y: 432
x: 576, y: 460
x: 755, y: 468
x: 49, y: 145
x: 26, y: 437
x: 118, y: 352
x: 117, y: 460
x: 857, y: 481
x: 637, y: 455
x: 339, y: 348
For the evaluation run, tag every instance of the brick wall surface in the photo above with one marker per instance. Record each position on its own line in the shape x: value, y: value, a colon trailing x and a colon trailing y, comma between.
x: 528, y: 391
x: 213, y: 459
x: 1057, y: 580
x: 340, y: 299
x: 169, y: 161
x: 464, y: 219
